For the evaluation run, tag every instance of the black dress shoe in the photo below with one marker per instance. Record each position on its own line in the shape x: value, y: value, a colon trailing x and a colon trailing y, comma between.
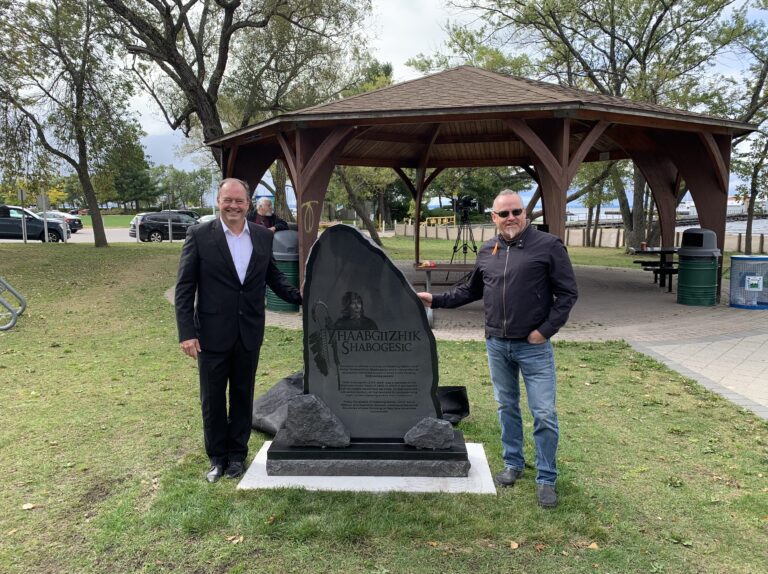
x: 216, y: 472
x: 235, y: 469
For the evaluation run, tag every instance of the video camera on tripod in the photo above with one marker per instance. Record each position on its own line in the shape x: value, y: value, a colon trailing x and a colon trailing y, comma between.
x: 463, y: 205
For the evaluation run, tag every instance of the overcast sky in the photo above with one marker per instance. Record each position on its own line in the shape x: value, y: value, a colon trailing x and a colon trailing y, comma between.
x: 399, y: 30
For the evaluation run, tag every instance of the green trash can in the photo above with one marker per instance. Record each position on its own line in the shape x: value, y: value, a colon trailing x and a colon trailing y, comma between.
x: 285, y: 250
x: 697, y: 269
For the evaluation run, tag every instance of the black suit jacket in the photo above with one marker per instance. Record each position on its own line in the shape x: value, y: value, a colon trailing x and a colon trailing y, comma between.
x: 225, y: 308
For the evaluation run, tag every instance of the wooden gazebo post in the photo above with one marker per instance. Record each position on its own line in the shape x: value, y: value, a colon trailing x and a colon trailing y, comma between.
x: 555, y: 165
x: 310, y: 157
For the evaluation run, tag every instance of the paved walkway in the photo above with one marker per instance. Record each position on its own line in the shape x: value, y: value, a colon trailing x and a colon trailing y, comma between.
x: 723, y: 348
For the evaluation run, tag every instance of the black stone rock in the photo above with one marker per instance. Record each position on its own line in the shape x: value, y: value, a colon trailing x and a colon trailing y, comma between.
x: 369, y: 352
x: 271, y: 409
x: 454, y: 403
x: 311, y: 423
x: 430, y: 433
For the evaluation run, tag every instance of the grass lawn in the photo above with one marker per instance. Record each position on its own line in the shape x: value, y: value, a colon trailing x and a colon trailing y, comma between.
x: 103, y: 463
x: 110, y: 221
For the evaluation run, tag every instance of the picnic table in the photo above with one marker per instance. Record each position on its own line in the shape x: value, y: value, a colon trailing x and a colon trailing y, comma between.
x: 464, y: 269
x: 663, y: 267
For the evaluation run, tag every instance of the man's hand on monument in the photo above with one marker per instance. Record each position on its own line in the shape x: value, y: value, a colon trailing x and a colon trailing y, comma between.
x: 536, y: 338
x: 425, y: 297
x: 191, y: 347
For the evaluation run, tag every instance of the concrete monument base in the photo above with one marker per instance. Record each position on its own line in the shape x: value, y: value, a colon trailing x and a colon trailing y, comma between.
x: 478, y: 480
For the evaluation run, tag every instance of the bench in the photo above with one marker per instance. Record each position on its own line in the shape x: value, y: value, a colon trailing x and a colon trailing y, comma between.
x: 667, y: 271
x: 646, y: 262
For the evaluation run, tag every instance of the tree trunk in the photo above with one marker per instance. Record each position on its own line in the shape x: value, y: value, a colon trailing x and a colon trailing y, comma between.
x: 279, y: 178
x: 99, y: 236
x: 384, y: 212
x: 357, y: 205
x: 648, y: 210
x: 587, y: 234
x: 635, y: 231
x: 595, y: 226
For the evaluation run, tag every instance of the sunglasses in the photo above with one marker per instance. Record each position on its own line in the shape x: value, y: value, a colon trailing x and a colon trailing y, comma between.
x: 504, y: 214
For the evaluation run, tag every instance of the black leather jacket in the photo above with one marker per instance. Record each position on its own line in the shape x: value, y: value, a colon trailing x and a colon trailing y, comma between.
x: 525, y: 284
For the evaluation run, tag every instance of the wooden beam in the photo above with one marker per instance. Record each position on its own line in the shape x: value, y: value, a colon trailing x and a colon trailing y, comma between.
x: 662, y: 176
x: 327, y: 147
x: 407, y: 181
x: 444, y: 139
x: 435, y: 172
x: 586, y: 144
x: 543, y: 154
x: 421, y: 186
x: 721, y: 171
x: 231, y: 159
x: 290, y: 160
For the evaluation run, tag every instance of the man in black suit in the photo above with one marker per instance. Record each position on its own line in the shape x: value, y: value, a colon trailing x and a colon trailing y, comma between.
x: 225, y: 267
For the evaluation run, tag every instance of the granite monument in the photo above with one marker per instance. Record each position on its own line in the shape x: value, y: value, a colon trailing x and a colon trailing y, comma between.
x: 370, y: 357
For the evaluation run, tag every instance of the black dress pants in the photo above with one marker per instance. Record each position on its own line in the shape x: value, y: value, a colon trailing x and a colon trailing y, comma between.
x: 226, y: 435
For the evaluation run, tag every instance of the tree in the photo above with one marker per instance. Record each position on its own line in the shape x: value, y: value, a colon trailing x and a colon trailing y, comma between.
x: 56, y: 74
x: 361, y: 184
x: 647, y: 50
x: 753, y: 165
x: 747, y: 99
x: 181, y: 189
x: 467, y: 46
x: 206, y: 60
x: 125, y: 175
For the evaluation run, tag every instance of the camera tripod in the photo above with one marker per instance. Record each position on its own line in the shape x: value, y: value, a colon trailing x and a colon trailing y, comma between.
x: 465, y: 240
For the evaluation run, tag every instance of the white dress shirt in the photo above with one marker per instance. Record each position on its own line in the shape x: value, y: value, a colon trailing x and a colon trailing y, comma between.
x: 240, y: 247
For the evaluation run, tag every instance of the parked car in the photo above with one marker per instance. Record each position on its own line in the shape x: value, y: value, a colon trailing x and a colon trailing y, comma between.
x: 11, y: 217
x: 210, y: 217
x: 74, y: 221
x: 192, y: 214
x: 154, y: 226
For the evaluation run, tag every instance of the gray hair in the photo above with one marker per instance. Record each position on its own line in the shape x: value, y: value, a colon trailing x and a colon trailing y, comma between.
x: 262, y: 200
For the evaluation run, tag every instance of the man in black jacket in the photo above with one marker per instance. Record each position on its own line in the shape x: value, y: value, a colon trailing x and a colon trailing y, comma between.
x: 225, y: 267
x: 526, y: 281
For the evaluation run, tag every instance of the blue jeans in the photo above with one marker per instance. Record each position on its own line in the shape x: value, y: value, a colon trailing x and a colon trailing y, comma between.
x: 507, y: 358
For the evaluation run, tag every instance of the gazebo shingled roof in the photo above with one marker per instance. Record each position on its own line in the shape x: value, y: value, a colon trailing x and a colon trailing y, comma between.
x: 466, y: 117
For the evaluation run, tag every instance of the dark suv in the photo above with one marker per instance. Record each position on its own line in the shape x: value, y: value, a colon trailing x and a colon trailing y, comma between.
x: 193, y: 214
x: 11, y: 225
x: 154, y: 226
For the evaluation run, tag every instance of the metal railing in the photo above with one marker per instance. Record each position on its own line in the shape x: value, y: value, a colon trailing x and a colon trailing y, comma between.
x: 10, y: 310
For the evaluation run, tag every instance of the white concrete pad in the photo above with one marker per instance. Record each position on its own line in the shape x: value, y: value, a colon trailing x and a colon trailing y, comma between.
x: 479, y: 480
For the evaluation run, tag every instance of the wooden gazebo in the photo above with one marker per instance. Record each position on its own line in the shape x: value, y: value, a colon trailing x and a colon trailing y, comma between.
x: 468, y: 117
